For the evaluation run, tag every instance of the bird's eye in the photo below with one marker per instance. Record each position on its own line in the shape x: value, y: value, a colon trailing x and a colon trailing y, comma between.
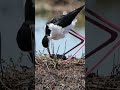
x: 32, y: 26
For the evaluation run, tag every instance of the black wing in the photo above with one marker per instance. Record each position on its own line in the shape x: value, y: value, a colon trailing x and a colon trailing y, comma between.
x: 65, y: 20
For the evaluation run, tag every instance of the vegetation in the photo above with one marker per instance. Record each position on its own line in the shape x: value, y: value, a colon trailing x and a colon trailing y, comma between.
x: 55, y: 74
x: 57, y: 7
x: 49, y: 74
x: 15, y: 76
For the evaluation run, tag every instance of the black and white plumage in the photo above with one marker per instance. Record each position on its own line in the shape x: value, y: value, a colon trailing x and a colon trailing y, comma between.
x: 59, y: 26
x: 25, y: 36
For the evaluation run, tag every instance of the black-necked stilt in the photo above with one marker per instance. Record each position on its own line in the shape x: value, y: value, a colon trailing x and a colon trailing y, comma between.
x: 59, y: 26
x: 25, y: 36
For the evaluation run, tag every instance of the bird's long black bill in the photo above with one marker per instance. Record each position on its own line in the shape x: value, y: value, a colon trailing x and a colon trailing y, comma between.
x: 32, y: 57
x: 49, y: 51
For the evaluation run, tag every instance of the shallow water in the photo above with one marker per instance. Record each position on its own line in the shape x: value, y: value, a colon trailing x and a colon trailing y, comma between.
x: 69, y: 39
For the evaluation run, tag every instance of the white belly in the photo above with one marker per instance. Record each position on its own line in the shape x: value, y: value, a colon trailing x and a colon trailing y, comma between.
x: 57, y: 32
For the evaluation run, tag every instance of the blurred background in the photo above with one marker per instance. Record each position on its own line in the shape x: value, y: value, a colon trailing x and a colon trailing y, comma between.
x: 48, y: 9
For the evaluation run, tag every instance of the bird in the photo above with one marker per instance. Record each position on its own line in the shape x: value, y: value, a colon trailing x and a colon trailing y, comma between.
x: 25, y: 35
x: 59, y: 26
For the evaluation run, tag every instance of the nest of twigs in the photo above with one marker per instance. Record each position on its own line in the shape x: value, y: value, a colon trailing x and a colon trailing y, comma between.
x: 14, y: 76
x: 50, y: 74
x: 55, y: 74
x: 95, y: 82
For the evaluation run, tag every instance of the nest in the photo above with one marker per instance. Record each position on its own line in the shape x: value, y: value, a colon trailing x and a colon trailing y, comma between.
x: 49, y: 74
x: 55, y: 74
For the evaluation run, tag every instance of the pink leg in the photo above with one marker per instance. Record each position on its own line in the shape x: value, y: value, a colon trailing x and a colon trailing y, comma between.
x: 116, y: 27
x: 111, y: 50
x: 82, y: 40
x: 78, y: 34
x: 105, y: 56
x: 77, y: 44
x: 74, y: 54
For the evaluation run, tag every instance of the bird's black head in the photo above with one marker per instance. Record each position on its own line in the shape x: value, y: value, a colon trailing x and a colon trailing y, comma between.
x: 45, y: 42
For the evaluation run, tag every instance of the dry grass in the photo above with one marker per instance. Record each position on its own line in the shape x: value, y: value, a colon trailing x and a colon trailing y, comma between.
x: 54, y: 74
x: 12, y: 78
x: 49, y: 74
x: 103, y: 83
